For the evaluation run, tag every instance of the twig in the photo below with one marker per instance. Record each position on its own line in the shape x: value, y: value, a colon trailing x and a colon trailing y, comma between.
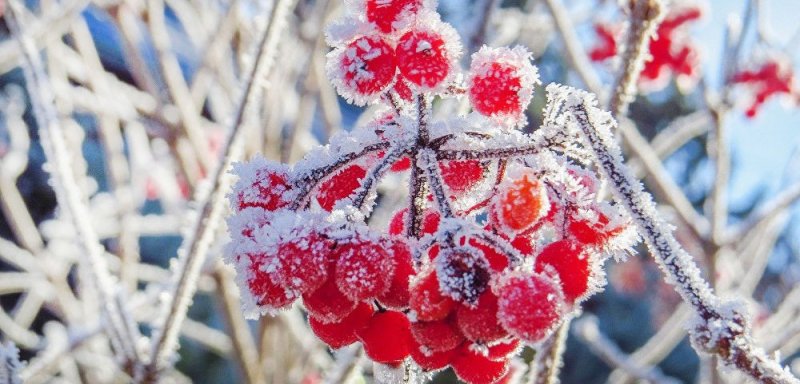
x: 645, y: 15
x: 719, y: 328
x: 119, y: 324
x: 547, y: 363
x: 587, y: 330
x: 575, y: 51
x: 195, y: 246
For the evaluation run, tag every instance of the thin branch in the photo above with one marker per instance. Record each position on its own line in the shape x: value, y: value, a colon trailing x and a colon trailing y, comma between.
x: 119, y: 324
x: 575, y: 51
x: 718, y: 329
x: 195, y: 246
x: 645, y: 15
x: 547, y: 362
x: 764, y: 213
x: 587, y: 330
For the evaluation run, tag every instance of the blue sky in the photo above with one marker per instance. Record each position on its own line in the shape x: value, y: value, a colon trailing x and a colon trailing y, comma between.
x: 761, y: 147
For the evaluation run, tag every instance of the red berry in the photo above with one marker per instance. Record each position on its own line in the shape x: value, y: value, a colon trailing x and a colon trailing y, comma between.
x: 427, y: 300
x: 571, y: 262
x: 423, y: 58
x: 522, y: 203
x: 530, y: 305
x: 364, y: 268
x: 363, y: 69
x: 432, y: 361
x: 479, y: 322
x: 327, y: 304
x: 384, y: 13
x: 304, y: 261
x: 265, y: 283
x: 501, y: 82
x: 593, y: 233
x: 398, y: 294
x: 387, y: 337
x: 340, y: 186
x: 403, y: 90
x: 461, y: 175
x: 463, y: 273
x: 437, y: 336
x: 342, y: 333
x: 261, y: 184
x: 496, y: 90
x: 401, y: 165
x: 430, y: 222
x: 474, y: 368
x: 503, y: 350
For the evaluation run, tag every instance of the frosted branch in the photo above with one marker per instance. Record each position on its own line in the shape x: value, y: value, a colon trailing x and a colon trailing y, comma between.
x: 195, y: 246
x: 719, y: 327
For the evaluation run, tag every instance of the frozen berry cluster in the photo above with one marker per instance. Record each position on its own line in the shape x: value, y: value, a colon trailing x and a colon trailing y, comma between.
x: 772, y: 76
x: 672, y: 51
x: 503, y: 234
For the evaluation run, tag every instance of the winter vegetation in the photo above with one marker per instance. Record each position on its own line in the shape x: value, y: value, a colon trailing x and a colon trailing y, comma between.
x: 396, y: 191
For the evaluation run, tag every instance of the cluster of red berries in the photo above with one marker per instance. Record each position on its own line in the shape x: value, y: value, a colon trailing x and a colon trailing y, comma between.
x: 773, y: 77
x: 491, y: 252
x: 672, y: 51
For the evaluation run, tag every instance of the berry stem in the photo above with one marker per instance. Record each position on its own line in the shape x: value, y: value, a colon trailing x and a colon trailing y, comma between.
x: 490, y: 153
x: 547, y: 362
x: 308, y: 182
x: 371, y: 179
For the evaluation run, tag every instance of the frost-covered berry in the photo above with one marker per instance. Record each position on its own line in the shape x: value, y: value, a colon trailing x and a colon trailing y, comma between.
x: 530, y: 305
x: 364, y: 268
x: 387, y: 337
x: 342, y: 333
x: 503, y: 350
x: 479, y: 322
x: 426, y: 55
x: 328, y: 304
x: 432, y: 361
x: 397, y: 296
x: 427, y: 300
x: 597, y: 231
x: 262, y: 183
x: 340, y: 186
x: 501, y: 82
x: 430, y: 222
x: 363, y: 69
x: 521, y: 203
x: 265, y: 283
x: 386, y: 13
x: 438, y: 336
x: 572, y: 264
x: 474, y: 368
x: 461, y: 176
x: 304, y: 261
x: 463, y: 273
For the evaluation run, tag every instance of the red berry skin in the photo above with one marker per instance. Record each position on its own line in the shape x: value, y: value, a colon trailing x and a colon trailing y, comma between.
x: 437, y: 336
x: 432, y: 361
x: 521, y: 204
x: 266, y: 191
x: 427, y: 300
x: 530, y: 306
x: 327, y: 304
x: 422, y: 58
x: 364, y: 68
x: 305, y: 262
x: 461, y: 175
x: 592, y: 234
x: 266, y: 287
x: 495, y: 90
x: 474, y: 368
x: 397, y: 296
x: 430, y: 222
x: 570, y: 261
x: 385, y: 13
x: 340, y: 186
x: 479, y: 323
x: 343, y: 333
x: 387, y: 337
x: 401, y: 165
x: 364, y: 269
x: 503, y: 350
